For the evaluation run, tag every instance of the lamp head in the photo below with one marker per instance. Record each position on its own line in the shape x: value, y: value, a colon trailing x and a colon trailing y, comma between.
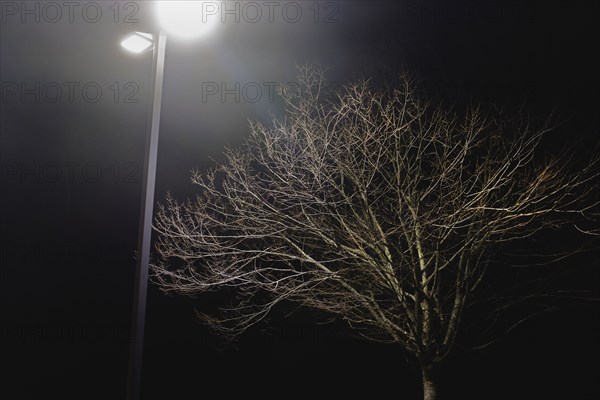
x: 138, y: 42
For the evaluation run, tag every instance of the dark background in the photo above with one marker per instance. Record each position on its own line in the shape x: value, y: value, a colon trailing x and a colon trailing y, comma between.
x: 70, y: 187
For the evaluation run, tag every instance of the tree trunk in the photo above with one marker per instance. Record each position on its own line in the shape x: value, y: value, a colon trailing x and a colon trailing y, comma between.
x: 429, y: 384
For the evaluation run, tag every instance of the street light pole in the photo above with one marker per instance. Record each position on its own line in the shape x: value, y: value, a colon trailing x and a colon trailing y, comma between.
x: 145, y: 229
x: 183, y: 19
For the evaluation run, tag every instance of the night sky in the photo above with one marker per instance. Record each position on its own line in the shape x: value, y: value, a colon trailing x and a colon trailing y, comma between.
x: 73, y: 120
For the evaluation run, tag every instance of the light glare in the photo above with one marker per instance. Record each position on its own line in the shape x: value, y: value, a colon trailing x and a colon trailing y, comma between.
x: 186, y: 19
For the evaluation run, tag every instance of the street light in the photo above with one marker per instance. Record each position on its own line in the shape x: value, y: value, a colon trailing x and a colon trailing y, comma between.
x: 183, y: 19
x: 139, y: 42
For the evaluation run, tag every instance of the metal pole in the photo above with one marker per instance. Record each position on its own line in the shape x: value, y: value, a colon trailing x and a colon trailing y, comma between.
x: 143, y: 256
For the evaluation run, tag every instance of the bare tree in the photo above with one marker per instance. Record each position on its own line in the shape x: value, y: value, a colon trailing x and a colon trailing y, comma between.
x: 378, y: 208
